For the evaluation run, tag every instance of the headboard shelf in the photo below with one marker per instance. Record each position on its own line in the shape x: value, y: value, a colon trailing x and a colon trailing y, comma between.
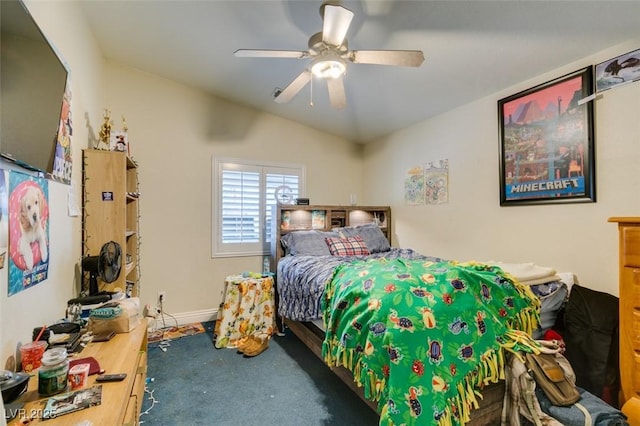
x: 289, y: 218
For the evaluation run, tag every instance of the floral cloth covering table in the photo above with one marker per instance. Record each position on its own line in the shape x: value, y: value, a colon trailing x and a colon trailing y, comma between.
x: 247, y: 309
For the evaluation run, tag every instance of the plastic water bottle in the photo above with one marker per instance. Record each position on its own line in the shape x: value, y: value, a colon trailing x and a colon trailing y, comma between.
x: 266, y: 266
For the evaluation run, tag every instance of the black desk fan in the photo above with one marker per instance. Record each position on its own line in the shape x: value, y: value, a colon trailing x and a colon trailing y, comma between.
x: 106, y: 266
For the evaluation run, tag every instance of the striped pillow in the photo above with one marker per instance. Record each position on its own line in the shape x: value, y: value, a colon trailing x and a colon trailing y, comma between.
x: 350, y: 246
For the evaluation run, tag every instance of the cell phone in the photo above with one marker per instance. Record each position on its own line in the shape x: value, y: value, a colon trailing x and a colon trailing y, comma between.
x: 111, y: 377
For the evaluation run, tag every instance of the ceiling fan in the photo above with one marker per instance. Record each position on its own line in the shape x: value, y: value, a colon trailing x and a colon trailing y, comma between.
x: 329, y: 54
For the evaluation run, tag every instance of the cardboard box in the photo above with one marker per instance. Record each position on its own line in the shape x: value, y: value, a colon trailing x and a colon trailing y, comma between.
x: 123, y: 323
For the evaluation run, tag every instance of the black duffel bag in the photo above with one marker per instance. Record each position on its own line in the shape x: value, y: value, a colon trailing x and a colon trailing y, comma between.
x: 590, y: 327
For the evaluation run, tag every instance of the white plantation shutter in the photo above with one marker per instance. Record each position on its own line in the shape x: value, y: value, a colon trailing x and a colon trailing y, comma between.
x: 243, y: 202
x: 240, y: 206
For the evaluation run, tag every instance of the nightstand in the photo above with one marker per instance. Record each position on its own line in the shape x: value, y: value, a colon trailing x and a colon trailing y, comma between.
x: 247, y: 309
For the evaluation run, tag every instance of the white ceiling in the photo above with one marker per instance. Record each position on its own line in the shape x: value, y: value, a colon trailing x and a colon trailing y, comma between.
x: 472, y: 49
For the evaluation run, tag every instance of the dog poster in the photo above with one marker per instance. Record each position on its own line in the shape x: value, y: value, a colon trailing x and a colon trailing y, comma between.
x: 28, y: 231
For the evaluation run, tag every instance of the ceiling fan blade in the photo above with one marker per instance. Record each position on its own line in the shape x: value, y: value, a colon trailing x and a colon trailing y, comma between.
x: 264, y: 53
x: 337, y: 96
x: 377, y: 7
x: 294, y: 87
x: 405, y: 58
x: 336, y: 23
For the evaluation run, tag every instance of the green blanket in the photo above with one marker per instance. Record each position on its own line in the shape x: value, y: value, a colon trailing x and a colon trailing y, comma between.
x: 423, y: 338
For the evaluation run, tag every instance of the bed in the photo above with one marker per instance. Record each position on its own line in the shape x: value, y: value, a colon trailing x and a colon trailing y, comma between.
x: 419, y: 338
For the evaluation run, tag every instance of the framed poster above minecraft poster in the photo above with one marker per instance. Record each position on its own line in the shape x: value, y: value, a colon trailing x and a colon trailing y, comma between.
x: 547, y: 143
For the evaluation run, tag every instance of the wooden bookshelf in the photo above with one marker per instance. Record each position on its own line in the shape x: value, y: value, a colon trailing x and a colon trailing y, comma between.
x: 110, y: 213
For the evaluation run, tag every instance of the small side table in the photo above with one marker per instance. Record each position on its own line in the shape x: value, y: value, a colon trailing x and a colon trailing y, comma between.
x: 247, y: 309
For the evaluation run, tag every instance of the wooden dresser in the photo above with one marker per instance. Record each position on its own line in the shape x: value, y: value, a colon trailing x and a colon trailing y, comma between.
x: 629, y: 275
x: 121, y: 401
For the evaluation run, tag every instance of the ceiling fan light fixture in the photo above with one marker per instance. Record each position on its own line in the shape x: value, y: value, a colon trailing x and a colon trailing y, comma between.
x: 328, y: 67
x: 329, y: 53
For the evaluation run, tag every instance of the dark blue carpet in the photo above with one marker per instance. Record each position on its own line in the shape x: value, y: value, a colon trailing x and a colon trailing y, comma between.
x: 193, y: 383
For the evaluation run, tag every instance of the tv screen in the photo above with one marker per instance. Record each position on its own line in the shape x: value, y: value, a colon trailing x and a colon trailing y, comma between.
x: 33, y: 80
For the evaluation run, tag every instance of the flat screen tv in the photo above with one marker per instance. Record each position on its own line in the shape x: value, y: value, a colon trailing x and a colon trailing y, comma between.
x: 33, y: 81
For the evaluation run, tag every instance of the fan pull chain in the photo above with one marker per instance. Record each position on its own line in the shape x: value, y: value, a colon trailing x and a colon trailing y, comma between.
x: 311, y: 92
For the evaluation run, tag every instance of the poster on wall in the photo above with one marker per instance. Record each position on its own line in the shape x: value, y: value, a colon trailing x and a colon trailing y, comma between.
x: 547, y: 143
x: 62, y: 161
x: 4, y: 218
x: 618, y: 71
x: 436, y: 182
x: 414, y: 186
x: 28, y: 231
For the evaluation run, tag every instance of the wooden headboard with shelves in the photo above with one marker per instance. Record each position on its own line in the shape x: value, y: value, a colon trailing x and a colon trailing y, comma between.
x: 290, y: 218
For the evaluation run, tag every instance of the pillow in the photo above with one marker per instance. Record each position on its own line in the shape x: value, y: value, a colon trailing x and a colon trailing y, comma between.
x: 350, y: 246
x: 371, y: 235
x: 307, y: 243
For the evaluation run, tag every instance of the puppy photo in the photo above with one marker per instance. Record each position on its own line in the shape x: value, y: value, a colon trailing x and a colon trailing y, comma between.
x: 31, y: 205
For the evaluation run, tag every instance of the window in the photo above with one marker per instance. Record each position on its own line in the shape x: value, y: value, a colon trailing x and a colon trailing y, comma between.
x: 243, y: 200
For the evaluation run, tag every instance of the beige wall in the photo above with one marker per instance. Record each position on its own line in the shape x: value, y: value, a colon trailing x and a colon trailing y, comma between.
x: 473, y: 226
x: 174, y: 132
x: 46, y: 302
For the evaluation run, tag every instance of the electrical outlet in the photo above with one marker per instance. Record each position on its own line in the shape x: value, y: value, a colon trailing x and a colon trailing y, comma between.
x: 151, y: 311
x: 147, y: 311
x: 162, y: 297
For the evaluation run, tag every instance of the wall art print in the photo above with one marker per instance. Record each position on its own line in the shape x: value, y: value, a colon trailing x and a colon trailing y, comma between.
x: 414, y: 186
x: 28, y: 231
x: 619, y: 70
x: 547, y: 143
x: 63, y: 160
x: 436, y: 182
x: 427, y: 184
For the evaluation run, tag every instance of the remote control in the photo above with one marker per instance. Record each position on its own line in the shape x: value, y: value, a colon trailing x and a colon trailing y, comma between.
x: 111, y: 377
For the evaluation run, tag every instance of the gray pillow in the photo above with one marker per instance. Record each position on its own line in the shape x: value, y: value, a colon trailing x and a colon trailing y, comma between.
x: 307, y: 243
x: 371, y: 235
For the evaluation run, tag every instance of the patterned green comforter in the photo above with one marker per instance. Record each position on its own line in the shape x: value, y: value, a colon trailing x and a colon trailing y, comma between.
x: 422, y: 338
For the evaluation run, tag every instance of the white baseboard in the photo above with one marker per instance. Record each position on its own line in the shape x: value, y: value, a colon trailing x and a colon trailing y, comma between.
x: 189, y: 317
